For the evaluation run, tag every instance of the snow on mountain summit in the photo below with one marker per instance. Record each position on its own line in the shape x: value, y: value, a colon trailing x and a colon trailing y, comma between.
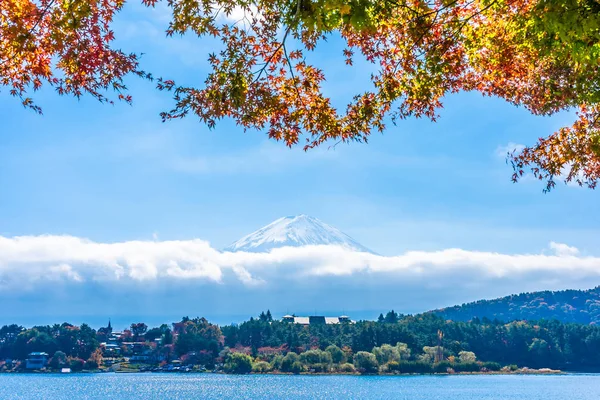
x: 296, y: 231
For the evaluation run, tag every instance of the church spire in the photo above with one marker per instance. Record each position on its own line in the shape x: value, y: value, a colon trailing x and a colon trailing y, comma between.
x: 109, y: 325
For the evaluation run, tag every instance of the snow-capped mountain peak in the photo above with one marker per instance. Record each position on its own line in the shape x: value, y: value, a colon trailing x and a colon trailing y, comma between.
x: 296, y: 231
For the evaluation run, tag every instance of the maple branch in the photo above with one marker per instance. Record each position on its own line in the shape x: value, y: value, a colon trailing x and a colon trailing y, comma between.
x: 268, y: 61
x: 281, y: 45
x: 289, y: 63
x: 464, y: 22
x: 30, y: 31
x: 333, y: 146
x: 456, y: 32
x: 421, y: 37
x: 425, y: 14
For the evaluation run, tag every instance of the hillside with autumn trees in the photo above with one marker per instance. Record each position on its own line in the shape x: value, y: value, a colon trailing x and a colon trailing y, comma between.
x: 578, y: 306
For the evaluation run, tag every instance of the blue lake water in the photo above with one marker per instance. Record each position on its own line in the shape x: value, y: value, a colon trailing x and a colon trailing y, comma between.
x: 213, y: 386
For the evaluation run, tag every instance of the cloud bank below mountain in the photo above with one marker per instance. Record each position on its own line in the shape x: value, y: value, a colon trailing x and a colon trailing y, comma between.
x: 29, y: 261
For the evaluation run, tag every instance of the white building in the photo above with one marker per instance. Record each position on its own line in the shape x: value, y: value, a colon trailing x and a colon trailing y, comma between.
x: 317, y: 320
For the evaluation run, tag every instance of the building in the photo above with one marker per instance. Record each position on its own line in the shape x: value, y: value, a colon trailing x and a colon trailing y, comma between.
x: 135, y: 347
x: 317, y: 320
x: 112, y: 348
x: 139, y: 359
x: 36, y: 360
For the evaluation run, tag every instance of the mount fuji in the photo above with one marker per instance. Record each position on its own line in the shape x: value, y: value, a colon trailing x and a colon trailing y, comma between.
x: 295, y: 231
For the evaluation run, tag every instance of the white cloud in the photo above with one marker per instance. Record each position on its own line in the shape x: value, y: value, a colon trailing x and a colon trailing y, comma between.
x: 66, y: 276
x: 502, y: 151
x: 563, y: 250
x: 32, y: 259
x: 238, y: 14
x: 63, y: 270
x: 564, y: 173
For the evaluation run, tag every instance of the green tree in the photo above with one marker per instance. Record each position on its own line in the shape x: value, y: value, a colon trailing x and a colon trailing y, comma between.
x: 238, y: 363
x: 386, y: 353
x: 167, y: 337
x: 540, y: 352
x: 261, y: 367
x: 153, y: 334
x: 467, y: 357
x: 297, y: 368
x: 430, y: 353
x: 276, y: 362
x: 403, y: 350
x: 59, y: 359
x: 138, y: 330
x: 288, y: 361
x: 337, y: 355
x: 365, y: 362
x: 391, y: 317
x: 87, y: 341
x: 8, y: 336
x: 34, y: 340
x: 317, y: 359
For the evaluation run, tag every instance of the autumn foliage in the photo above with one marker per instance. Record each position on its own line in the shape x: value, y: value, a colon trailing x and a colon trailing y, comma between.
x: 543, y: 55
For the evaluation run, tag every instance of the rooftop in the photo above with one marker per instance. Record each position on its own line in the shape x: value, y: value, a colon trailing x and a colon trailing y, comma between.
x: 317, y: 320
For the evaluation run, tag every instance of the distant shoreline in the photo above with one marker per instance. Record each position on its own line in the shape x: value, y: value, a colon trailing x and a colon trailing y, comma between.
x: 525, y: 371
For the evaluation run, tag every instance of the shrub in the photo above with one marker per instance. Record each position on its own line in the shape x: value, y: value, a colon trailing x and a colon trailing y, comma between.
x: 58, y: 360
x: 238, y: 363
x: 76, y: 364
x: 276, y: 362
x: 311, y: 357
x: 403, y: 350
x: 467, y: 356
x: 441, y: 367
x: 316, y: 358
x: 492, y: 366
x: 90, y: 364
x: 337, y: 355
x: 466, y: 367
x: 261, y: 367
x: 323, y: 367
x: 393, y: 366
x: 415, y: 367
x: 366, y: 362
x: 288, y: 361
x: 297, y: 367
x: 346, y: 367
x: 386, y: 353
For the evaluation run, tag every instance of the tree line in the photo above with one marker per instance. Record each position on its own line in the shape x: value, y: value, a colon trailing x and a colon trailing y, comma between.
x: 394, y: 343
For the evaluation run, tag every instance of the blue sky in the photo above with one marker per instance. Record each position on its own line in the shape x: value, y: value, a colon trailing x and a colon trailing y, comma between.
x: 117, y: 173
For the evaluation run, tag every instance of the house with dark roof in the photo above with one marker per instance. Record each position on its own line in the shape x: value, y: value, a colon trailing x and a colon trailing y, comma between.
x: 36, y: 360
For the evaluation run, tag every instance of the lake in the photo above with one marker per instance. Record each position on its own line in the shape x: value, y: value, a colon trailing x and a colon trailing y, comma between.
x: 213, y: 386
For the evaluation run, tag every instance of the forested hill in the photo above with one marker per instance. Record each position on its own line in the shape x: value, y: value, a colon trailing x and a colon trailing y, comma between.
x: 578, y: 306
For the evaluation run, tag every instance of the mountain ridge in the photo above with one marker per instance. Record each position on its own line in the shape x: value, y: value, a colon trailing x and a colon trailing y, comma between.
x: 570, y: 305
